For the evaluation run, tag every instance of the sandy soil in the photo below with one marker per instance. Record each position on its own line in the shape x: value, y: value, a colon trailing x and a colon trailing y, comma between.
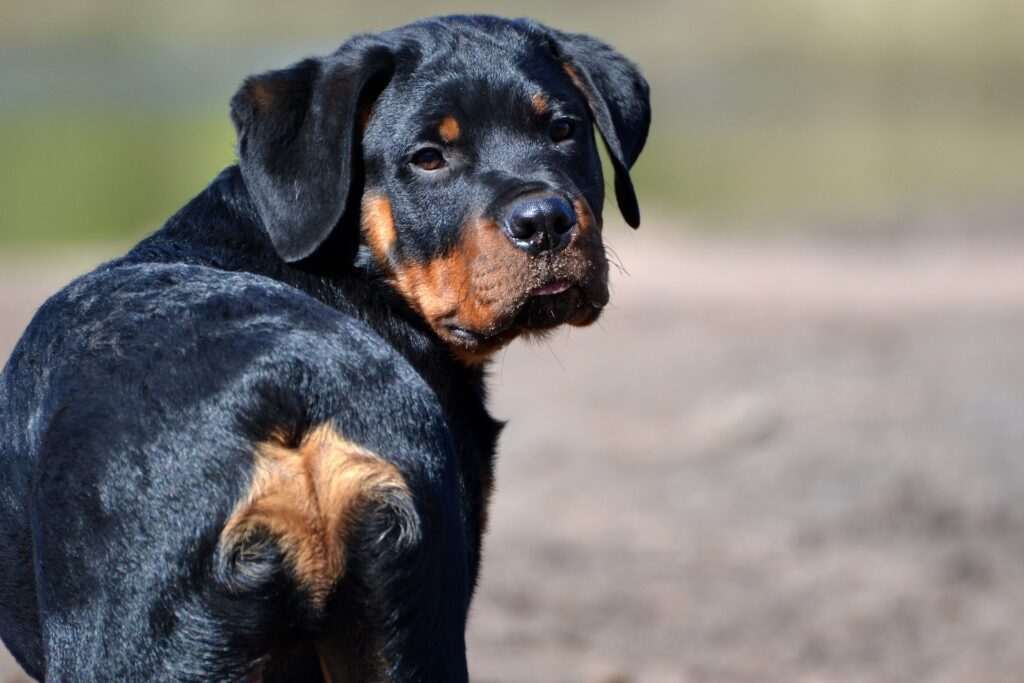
x: 772, y: 461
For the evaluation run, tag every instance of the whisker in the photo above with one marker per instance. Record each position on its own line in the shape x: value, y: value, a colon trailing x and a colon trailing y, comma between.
x: 614, y: 258
x: 501, y: 366
x: 558, y: 360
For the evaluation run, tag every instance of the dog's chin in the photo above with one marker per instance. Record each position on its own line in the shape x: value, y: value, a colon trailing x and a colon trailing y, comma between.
x: 543, y: 309
x: 547, y: 310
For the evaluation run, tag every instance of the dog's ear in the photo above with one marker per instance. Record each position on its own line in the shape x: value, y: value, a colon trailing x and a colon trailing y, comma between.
x: 299, y: 141
x: 619, y: 101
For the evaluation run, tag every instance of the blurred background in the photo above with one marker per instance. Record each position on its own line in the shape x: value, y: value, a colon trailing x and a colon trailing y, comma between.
x: 794, y: 450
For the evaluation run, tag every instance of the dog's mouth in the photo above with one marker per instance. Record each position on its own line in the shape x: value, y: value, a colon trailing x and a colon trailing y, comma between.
x: 553, y: 304
x: 551, y: 289
x: 544, y: 307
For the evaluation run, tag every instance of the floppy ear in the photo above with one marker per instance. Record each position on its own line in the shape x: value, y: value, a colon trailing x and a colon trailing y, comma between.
x: 619, y: 100
x: 298, y: 142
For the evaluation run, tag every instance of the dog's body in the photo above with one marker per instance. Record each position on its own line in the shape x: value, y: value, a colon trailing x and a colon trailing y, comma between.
x: 257, y: 445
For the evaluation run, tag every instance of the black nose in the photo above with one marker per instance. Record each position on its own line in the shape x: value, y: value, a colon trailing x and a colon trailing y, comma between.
x: 539, y: 224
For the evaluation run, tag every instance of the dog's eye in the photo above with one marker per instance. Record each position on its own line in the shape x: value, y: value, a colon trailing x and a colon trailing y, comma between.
x: 562, y: 129
x: 429, y: 159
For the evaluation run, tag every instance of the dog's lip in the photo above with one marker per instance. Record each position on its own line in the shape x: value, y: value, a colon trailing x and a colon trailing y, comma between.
x: 552, y: 288
x: 464, y: 335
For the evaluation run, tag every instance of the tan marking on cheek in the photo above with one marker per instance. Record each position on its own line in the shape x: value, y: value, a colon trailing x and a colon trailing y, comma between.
x: 379, y: 226
x: 449, y: 129
x: 584, y: 216
x: 480, y: 275
x: 424, y: 286
x: 308, y: 498
x: 471, y: 286
x: 443, y: 287
x: 540, y: 104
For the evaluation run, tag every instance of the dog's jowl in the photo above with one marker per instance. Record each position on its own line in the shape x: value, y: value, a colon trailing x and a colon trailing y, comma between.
x: 256, y: 447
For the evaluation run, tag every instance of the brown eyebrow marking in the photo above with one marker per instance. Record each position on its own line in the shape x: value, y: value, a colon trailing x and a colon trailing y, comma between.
x: 540, y: 103
x: 449, y: 129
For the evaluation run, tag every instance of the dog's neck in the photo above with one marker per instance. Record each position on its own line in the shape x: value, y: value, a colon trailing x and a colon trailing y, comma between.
x: 220, y: 228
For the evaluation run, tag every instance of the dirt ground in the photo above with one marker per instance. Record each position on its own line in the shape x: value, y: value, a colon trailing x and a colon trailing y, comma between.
x: 774, y: 460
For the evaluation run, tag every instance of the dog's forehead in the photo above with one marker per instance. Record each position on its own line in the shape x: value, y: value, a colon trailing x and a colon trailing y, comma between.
x: 463, y: 58
x: 473, y: 84
x: 478, y: 37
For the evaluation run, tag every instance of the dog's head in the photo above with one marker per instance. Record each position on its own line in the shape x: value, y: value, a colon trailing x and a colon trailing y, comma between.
x: 465, y: 147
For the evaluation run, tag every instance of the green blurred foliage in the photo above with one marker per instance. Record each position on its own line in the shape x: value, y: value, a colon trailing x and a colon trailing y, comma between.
x: 99, y: 176
x: 113, y: 112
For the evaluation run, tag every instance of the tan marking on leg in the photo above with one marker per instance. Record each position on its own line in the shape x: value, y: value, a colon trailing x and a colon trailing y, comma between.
x: 325, y: 666
x: 449, y: 129
x: 309, y: 498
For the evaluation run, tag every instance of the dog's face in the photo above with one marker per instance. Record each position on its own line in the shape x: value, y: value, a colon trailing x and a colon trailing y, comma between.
x: 466, y: 147
x: 483, y: 193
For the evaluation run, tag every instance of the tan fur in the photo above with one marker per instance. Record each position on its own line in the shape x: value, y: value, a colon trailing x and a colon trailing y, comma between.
x: 449, y: 129
x: 308, y: 498
x: 478, y: 282
x: 471, y: 285
x: 585, y: 217
x: 379, y: 225
x: 540, y: 104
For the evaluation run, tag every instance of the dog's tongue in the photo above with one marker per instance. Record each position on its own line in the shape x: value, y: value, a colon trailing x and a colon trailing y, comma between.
x: 552, y: 288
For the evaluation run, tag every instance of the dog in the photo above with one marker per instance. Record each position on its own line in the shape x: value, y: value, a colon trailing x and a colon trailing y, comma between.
x: 256, y: 447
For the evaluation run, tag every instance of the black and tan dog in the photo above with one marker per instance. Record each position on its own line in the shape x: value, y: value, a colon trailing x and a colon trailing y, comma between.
x: 257, y: 447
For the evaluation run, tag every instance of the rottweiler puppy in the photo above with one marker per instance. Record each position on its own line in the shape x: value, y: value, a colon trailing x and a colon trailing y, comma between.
x: 256, y: 447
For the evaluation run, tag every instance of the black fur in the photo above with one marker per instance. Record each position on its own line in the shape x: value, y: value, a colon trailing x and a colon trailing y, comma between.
x: 130, y: 409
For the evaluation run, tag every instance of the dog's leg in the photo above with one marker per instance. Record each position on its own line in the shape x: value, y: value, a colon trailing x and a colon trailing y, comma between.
x: 346, y: 527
